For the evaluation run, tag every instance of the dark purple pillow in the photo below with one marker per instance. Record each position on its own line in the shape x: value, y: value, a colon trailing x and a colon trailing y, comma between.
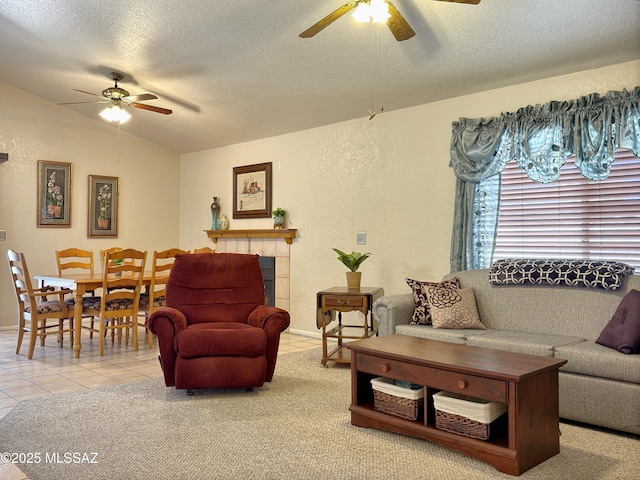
x: 622, y: 333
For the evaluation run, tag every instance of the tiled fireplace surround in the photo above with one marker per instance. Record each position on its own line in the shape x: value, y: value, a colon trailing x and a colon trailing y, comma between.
x: 265, y: 247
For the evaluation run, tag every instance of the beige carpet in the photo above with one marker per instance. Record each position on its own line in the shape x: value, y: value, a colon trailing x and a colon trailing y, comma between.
x: 297, y: 427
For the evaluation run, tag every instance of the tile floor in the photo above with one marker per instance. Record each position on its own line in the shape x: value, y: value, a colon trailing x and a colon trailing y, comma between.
x: 54, y: 370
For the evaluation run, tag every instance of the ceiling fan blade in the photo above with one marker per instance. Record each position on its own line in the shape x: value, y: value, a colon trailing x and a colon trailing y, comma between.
x: 88, y: 93
x: 142, y: 96
x: 398, y: 25
x: 151, y: 108
x: 328, y: 20
x: 78, y: 103
x: 471, y: 2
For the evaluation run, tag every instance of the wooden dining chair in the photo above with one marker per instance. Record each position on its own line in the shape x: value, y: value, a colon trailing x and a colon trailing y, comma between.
x: 121, y: 288
x: 204, y: 250
x: 76, y: 260
x: 154, y: 296
x: 35, y: 309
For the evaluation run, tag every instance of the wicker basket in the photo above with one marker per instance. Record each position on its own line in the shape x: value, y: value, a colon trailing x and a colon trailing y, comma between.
x: 395, y: 400
x: 450, y: 422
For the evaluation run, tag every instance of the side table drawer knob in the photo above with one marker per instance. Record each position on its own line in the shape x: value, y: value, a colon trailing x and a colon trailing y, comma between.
x: 462, y: 384
x: 385, y: 367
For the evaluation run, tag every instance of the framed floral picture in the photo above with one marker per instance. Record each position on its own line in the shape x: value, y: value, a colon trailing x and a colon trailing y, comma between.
x: 252, y: 191
x: 103, y: 206
x: 54, y: 194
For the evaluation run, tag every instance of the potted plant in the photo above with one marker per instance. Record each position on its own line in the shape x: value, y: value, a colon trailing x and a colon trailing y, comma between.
x: 352, y: 261
x: 278, y: 218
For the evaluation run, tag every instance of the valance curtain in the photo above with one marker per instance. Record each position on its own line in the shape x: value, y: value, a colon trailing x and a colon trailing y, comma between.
x: 539, y: 138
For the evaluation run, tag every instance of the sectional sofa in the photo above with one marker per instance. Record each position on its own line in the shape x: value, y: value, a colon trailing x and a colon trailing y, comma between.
x: 598, y: 385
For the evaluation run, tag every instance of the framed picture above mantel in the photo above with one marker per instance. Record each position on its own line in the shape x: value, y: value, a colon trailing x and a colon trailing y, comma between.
x: 252, y: 191
x: 54, y: 194
x: 103, y: 206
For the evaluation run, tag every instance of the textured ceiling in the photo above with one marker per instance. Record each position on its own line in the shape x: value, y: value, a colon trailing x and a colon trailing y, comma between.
x: 236, y: 70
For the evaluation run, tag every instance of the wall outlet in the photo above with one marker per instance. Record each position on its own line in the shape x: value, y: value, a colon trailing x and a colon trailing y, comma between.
x: 361, y: 238
x: 3, y: 235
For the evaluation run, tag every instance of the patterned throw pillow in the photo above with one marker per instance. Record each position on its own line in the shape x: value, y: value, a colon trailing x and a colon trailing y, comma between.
x: 574, y: 273
x: 453, y: 307
x: 421, y: 315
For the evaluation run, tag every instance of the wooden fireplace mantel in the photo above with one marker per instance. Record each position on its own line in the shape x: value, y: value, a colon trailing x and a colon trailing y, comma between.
x: 287, y: 233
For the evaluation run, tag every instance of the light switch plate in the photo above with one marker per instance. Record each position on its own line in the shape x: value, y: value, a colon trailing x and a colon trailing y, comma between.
x: 361, y: 238
x: 3, y: 235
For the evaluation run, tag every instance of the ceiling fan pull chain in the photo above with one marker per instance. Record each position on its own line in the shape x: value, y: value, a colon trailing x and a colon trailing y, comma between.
x: 372, y: 69
x: 382, y: 71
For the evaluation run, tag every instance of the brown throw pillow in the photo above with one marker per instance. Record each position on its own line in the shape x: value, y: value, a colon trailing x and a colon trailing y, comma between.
x: 421, y: 315
x: 453, y: 307
x: 622, y: 333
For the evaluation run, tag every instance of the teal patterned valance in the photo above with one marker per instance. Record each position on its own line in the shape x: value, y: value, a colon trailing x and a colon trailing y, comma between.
x: 541, y: 137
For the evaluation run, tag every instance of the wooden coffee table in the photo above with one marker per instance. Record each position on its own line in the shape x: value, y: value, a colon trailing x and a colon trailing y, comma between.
x: 528, y: 384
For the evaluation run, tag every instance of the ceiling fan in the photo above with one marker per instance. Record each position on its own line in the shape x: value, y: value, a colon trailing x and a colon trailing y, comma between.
x: 117, y: 96
x: 394, y: 19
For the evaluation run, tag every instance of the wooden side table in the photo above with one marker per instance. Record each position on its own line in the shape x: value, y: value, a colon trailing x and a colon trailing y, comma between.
x: 342, y: 299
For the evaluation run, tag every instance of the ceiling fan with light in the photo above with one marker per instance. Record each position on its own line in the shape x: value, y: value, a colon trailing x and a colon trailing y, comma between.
x: 373, y: 11
x: 116, y: 97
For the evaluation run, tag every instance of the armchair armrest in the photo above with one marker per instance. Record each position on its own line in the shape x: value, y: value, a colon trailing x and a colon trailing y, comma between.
x: 392, y: 310
x: 274, y: 321
x: 44, y: 292
x: 166, y: 322
x: 269, y: 318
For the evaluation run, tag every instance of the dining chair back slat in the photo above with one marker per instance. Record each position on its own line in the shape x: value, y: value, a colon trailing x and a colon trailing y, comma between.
x: 74, y: 259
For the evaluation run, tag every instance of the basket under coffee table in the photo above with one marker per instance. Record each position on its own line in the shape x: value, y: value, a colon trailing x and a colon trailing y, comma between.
x: 527, y: 384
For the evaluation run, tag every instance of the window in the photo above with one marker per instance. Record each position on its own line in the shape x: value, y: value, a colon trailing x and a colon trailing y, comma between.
x: 573, y: 217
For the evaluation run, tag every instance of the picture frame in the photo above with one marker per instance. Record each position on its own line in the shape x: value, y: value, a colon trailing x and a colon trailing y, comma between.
x: 54, y: 194
x: 103, y: 206
x: 252, y: 191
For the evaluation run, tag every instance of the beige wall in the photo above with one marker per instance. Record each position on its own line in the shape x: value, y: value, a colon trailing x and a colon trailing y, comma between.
x: 388, y: 177
x: 33, y: 129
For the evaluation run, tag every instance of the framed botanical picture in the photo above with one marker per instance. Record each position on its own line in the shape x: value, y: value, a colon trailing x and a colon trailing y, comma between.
x: 103, y: 206
x: 54, y: 194
x: 252, y: 191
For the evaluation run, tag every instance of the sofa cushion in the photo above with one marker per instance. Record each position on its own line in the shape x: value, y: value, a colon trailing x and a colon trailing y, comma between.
x: 421, y: 314
x: 622, y: 333
x: 220, y: 338
x: 443, y: 334
x: 453, y: 307
x: 575, y: 273
x: 520, y: 342
x: 589, y: 358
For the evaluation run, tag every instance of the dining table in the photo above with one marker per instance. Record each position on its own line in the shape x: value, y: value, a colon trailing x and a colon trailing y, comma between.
x: 79, y: 283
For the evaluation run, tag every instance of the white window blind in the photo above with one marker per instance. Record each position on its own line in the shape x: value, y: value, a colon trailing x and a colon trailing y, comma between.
x: 573, y: 217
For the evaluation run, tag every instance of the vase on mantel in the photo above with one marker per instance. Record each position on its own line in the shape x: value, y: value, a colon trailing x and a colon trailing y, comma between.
x: 215, y: 209
x: 223, y: 223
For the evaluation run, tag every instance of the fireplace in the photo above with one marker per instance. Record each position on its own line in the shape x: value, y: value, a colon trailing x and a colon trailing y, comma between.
x: 268, y: 266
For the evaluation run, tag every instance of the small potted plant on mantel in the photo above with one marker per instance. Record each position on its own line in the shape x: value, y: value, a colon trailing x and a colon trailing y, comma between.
x: 278, y: 218
x: 352, y: 261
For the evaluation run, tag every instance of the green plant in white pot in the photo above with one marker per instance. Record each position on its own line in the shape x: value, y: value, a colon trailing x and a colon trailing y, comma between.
x: 352, y: 261
x: 278, y: 218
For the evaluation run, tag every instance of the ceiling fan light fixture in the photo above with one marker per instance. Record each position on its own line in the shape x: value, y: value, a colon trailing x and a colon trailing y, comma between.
x: 115, y: 113
x: 379, y: 11
x: 376, y: 11
x: 362, y: 13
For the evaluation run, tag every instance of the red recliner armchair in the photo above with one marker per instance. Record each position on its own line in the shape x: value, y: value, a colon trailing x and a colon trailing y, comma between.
x: 215, y: 330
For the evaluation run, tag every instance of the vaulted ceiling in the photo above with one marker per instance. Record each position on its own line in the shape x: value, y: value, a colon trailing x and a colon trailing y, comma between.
x: 236, y: 70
